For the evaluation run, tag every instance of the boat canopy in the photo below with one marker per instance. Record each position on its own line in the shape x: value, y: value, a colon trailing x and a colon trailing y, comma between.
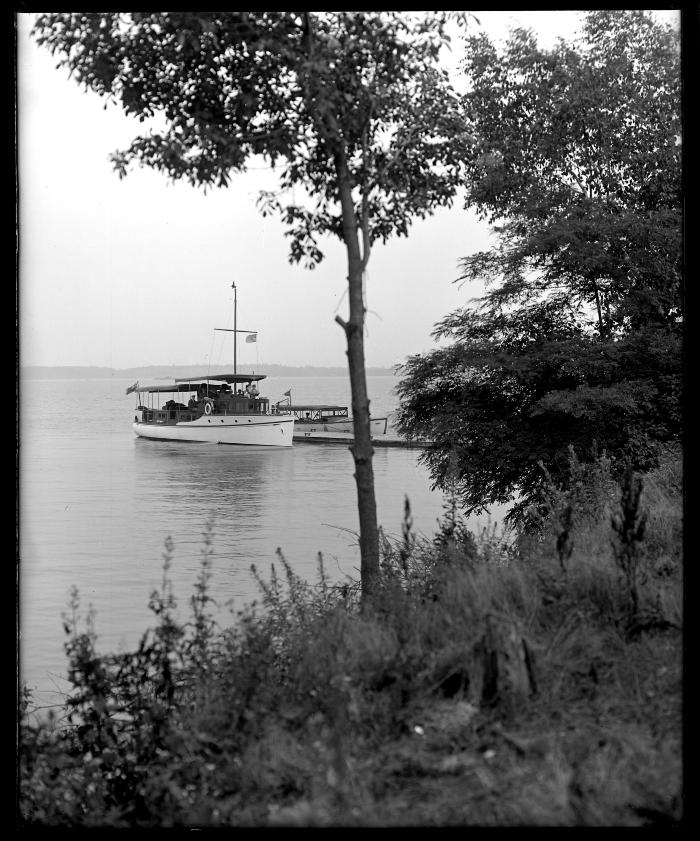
x: 224, y: 378
x: 188, y: 384
x: 163, y: 389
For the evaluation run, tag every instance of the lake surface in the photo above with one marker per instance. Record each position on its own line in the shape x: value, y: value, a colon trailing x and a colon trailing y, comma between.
x: 97, y: 503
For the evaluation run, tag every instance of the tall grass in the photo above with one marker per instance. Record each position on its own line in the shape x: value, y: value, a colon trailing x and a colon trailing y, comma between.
x: 503, y: 677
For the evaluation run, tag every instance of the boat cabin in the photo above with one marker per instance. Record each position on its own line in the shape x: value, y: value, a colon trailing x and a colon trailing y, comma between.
x: 314, y: 413
x: 193, y: 397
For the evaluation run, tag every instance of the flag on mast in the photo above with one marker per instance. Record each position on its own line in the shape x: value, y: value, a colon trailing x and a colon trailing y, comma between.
x: 132, y: 387
x: 288, y: 393
x: 251, y: 337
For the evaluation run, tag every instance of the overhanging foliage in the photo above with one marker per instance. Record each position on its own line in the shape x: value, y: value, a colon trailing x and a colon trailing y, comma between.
x: 578, y: 339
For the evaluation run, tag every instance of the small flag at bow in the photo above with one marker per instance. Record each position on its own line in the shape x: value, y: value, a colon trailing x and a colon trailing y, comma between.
x: 251, y: 337
x: 288, y: 393
x: 132, y: 387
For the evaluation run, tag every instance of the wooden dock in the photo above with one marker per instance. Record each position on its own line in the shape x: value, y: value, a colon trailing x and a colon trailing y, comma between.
x: 347, y: 439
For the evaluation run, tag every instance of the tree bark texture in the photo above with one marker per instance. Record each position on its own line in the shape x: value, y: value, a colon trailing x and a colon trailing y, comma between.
x: 362, y: 450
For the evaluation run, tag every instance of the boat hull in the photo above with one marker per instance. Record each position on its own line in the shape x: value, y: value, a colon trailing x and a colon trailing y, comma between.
x: 377, y: 426
x: 214, y: 429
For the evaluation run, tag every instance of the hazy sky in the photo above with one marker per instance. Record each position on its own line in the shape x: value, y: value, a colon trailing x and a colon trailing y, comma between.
x: 139, y: 271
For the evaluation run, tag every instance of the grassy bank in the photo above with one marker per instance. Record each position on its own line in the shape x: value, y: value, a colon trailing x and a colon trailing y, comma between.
x: 504, y: 678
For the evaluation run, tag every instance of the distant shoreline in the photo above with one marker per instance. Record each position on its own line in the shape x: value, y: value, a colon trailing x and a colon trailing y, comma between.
x: 45, y: 372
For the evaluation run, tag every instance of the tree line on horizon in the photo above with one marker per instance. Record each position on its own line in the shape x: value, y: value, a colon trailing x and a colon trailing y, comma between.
x: 38, y: 371
x: 572, y: 154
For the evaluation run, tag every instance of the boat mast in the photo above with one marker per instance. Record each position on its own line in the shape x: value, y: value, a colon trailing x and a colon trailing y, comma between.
x: 235, y: 334
x: 235, y: 330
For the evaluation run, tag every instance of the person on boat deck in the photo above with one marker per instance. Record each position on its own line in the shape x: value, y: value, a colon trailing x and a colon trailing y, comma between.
x: 248, y: 390
x: 239, y: 392
x: 254, y: 390
x: 192, y: 402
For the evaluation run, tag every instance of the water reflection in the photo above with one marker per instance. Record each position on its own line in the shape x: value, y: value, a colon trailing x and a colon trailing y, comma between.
x: 209, y: 479
x: 240, y: 490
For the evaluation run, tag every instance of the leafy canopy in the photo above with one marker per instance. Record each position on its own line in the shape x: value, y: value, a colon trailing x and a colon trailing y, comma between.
x: 511, y: 393
x: 578, y: 165
x: 577, y: 341
x: 220, y: 87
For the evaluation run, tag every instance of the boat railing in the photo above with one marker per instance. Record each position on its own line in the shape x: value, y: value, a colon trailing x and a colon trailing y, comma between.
x: 169, y: 415
x: 179, y: 413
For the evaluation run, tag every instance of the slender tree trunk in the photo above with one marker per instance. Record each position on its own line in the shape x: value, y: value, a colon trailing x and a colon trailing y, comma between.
x: 601, y: 328
x: 362, y: 449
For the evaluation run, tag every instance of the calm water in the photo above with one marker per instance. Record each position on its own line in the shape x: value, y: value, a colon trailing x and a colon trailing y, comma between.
x: 96, y: 504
